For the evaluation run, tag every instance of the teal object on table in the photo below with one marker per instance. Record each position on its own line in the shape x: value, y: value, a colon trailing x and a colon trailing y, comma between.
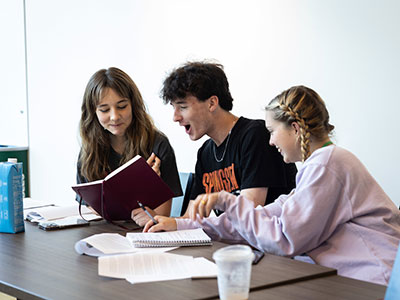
x: 177, y: 202
x: 11, y: 199
x: 393, y: 289
x: 180, y: 204
x: 21, y: 154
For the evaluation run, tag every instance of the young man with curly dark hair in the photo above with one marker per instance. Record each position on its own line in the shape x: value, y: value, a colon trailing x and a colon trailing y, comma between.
x: 237, y: 157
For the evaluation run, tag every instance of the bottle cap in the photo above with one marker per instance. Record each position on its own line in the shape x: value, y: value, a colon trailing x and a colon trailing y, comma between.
x: 12, y: 160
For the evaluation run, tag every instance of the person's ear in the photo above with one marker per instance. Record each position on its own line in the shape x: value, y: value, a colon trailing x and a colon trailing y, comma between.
x: 296, y: 128
x: 213, y: 103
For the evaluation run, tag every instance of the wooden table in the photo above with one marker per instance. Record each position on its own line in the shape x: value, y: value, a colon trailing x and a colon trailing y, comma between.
x: 41, y: 264
x: 326, y: 288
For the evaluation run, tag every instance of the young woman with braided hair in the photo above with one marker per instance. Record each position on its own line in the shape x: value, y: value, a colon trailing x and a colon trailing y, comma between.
x: 337, y: 215
x: 302, y: 109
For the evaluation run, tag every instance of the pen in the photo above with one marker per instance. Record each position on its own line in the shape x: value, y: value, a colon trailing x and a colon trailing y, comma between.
x: 149, y: 214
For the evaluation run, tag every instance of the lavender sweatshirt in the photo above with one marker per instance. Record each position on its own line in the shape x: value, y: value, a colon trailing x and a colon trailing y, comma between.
x: 338, y: 215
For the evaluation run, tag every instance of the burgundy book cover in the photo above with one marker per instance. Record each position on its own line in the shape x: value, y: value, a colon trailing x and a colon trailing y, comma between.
x: 134, y: 181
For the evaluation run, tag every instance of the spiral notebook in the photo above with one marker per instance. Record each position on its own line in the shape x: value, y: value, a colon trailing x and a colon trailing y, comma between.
x: 189, y: 237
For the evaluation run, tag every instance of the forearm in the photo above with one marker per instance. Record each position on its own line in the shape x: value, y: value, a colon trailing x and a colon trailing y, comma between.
x: 257, y: 195
x: 260, y: 227
x: 186, y: 214
x: 218, y: 228
x: 164, y: 209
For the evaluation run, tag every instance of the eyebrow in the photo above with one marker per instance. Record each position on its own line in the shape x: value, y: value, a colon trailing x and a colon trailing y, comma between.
x: 119, y: 102
x: 179, y: 102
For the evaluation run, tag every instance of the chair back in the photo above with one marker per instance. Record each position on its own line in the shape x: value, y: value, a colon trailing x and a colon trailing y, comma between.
x: 180, y: 204
x: 393, y: 289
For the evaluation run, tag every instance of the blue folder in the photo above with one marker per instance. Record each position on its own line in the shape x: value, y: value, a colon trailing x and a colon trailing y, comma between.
x: 393, y: 289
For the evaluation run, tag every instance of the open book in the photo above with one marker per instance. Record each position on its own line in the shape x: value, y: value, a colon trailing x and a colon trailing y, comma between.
x: 115, y: 196
x: 189, y: 237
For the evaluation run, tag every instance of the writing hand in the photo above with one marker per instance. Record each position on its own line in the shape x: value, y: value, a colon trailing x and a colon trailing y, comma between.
x: 164, y: 224
x: 155, y: 163
x: 140, y: 217
x: 202, y: 205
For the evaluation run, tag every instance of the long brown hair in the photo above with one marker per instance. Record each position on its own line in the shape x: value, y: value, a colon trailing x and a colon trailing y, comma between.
x: 302, y: 105
x: 96, y: 143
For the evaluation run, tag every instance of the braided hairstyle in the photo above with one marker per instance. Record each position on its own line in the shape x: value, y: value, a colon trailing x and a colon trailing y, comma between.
x: 302, y: 105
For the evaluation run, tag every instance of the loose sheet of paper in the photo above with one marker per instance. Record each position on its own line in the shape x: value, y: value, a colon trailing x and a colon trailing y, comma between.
x: 55, y: 212
x: 203, y: 268
x: 34, y: 203
x: 106, y: 243
x: 148, y: 267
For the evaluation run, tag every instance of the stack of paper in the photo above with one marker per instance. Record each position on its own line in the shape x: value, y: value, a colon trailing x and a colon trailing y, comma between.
x: 52, y: 212
x: 148, y: 267
x: 119, y: 257
x: 49, y: 216
x: 35, y: 203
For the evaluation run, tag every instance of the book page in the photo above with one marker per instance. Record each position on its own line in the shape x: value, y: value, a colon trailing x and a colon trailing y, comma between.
x: 88, y: 183
x: 125, y: 165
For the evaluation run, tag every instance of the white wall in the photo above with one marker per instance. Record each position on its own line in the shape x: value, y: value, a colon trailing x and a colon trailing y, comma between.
x: 347, y: 50
x: 13, y: 112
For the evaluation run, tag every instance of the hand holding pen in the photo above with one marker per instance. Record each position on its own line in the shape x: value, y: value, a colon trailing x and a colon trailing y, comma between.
x: 164, y: 224
x: 147, y: 212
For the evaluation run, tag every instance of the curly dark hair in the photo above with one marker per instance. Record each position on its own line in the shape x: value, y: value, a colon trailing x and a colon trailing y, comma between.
x: 199, y: 79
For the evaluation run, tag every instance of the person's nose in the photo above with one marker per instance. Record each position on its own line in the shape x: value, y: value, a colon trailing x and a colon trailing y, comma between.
x: 177, y: 116
x: 271, y: 142
x: 114, y: 115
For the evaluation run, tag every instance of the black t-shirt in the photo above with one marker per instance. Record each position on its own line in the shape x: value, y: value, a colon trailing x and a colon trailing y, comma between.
x: 248, y: 162
x: 163, y: 150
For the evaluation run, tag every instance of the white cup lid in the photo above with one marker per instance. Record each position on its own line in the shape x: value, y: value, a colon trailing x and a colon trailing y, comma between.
x: 234, y: 253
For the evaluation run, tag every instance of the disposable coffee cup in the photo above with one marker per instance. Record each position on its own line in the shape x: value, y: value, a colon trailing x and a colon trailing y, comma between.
x: 234, y: 271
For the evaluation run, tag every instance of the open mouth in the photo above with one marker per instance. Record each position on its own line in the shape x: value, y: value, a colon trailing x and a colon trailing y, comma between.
x: 187, y: 128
